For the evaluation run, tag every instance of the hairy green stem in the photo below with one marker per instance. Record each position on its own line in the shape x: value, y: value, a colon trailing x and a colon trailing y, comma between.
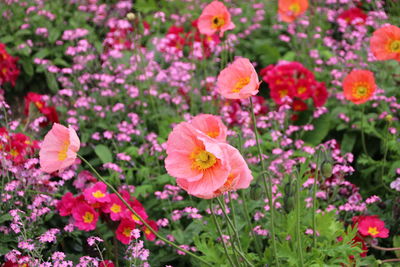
x: 362, y: 132
x: 220, y: 234
x: 299, y: 245
x: 314, y: 207
x: 139, y: 217
x: 267, y: 187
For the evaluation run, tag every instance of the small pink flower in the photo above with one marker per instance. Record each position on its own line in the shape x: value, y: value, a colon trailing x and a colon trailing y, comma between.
x: 58, y: 150
x: 210, y: 125
x: 97, y: 194
x: 239, y: 80
x: 85, y: 217
x: 215, y: 17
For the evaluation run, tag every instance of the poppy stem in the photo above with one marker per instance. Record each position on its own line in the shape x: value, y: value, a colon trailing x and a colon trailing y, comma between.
x: 382, y: 248
x: 220, y: 234
x: 299, y: 246
x: 362, y: 131
x: 267, y: 187
x: 139, y: 217
x: 314, y: 211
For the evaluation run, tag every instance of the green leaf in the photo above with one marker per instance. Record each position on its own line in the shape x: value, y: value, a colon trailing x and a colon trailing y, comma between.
x: 52, y: 82
x: 42, y: 53
x: 321, y: 129
x: 396, y: 244
x: 348, y: 141
x: 28, y: 67
x: 5, y: 217
x: 103, y: 153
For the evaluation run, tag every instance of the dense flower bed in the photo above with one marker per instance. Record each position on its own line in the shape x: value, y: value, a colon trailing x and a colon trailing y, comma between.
x: 199, y: 133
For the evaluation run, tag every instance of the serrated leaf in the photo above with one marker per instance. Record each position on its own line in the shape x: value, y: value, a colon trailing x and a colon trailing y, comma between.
x: 52, y: 82
x: 103, y: 153
x: 5, y: 217
x: 321, y: 129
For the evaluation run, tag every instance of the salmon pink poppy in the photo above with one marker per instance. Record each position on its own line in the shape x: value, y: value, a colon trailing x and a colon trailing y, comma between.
x: 215, y: 18
x: 124, y: 230
x: 289, y: 10
x: 85, y: 217
x: 372, y: 226
x: 58, y: 150
x: 359, y: 86
x: 239, y: 80
x: 116, y: 208
x: 195, y: 158
x: 238, y: 178
x: 385, y: 43
x: 97, y: 193
x: 210, y: 125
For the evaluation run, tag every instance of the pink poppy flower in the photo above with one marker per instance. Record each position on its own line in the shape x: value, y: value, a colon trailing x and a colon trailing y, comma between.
x: 215, y: 17
x: 239, y: 177
x: 116, y: 208
x: 97, y: 194
x: 147, y: 233
x: 210, y: 125
x: 85, y: 217
x: 124, y: 230
x: 58, y: 150
x: 197, y: 159
x: 138, y: 207
x: 66, y: 204
x: 239, y: 80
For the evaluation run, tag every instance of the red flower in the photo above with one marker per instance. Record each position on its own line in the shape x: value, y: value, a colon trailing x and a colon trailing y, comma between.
x: 124, y: 230
x: 149, y: 235
x: 106, y: 263
x: 8, y: 68
x: 299, y: 105
x: 66, y: 204
x: 371, y: 226
x: 352, y: 14
x: 37, y: 100
x: 319, y: 94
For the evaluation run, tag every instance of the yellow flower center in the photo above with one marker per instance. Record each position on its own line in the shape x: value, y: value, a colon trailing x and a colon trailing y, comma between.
x: 295, y: 8
x: 394, y: 46
x: 213, y: 134
x: 127, y: 232
x: 62, y: 154
x: 98, y: 194
x: 360, y: 90
x: 301, y: 89
x: 135, y: 218
x: 38, y: 104
x: 217, y: 22
x: 202, y: 160
x: 14, y: 153
x: 373, y: 231
x: 147, y: 231
x: 88, y: 217
x: 115, y: 208
x: 283, y: 93
x: 242, y: 82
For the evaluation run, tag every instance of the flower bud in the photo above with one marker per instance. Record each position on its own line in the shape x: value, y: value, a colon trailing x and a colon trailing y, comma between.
x: 130, y: 16
x: 326, y: 169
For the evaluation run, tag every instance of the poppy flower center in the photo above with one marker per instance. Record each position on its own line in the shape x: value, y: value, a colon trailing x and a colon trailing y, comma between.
x: 373, y: 231
x: 295, y: 8
x: 88, y: 217
x: 217, y: 22
x: 242, y: 82
x: 115, y: 208
x: 98, y: 194
x: 360, y: 91
x: 203, y: 160
x: 62, y: 155
x: 213, y: 134
x: 394, y: 46
x: 127, y: 232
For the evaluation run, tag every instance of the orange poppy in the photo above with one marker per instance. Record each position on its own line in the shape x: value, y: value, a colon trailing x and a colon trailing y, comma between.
x: 359, y: 86
x: 289, y: 10
x: 385, y: 43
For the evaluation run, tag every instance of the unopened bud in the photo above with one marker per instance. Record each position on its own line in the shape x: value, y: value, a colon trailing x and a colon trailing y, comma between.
x: 130, y: 16
x: 326, y: 169
x: 389, y: 118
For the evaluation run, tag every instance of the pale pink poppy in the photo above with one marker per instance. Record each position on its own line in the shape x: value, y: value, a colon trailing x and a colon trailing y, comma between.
x: 239, y: 177
x: 211, y: 125
x: 58, y: 150
x: 239, y: 80
x: 197, y: 159
x: 215, y: 17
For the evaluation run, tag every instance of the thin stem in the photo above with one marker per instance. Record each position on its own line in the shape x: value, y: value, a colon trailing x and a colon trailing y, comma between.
x: 233, y: 218
x: 386, y: 147
x: 299, y: 246
x: 139, y: 217
x: 267, y: 188
x: 390, y: 260
x: 314, y: 211
x: 362, y: 131
x: 382, y: 248
x: 220, y: 234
